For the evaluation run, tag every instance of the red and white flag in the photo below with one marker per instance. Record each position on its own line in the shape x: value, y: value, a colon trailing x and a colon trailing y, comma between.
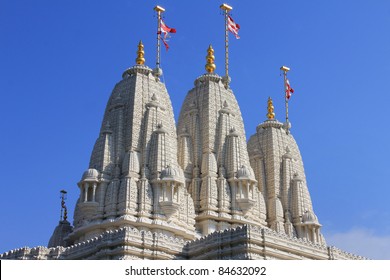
x: 166, y: 30
x: 233, y: 27
x: 289, y: 89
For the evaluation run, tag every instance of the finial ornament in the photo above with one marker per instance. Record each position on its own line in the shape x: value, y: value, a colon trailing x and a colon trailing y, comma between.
x: 140, y: 60
x: 270, y: 109
x: 210, y: 66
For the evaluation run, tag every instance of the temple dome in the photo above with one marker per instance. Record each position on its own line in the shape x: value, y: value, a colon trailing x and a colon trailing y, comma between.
x: 309, y: 217
x: 244, y: 173
x: 90, y: 175
x: 171, y: 173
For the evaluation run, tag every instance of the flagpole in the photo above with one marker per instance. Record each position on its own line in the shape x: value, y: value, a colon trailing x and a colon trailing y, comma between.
x: 226, y: 9
x: 64, y: 212
x: 159, y: 10
x: 285, y: 69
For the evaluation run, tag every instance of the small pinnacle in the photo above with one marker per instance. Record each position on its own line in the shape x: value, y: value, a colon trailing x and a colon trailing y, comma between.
x: 140, y: 60
x: 270, y: 109
x: 210, y: 66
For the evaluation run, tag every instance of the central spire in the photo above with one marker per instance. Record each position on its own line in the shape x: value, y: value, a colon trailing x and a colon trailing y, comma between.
x: 210, y: 66
x: 214, y: 157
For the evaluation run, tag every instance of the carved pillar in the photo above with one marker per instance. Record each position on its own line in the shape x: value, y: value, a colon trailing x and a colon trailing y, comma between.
x: 297, y: 203
x: 195, y: 188
x: 224, y: 194
x: 86, y: 187
x: 286, y: 177
x: 94, y: 192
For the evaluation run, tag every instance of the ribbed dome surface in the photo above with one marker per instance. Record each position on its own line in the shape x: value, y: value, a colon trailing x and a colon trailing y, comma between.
x: 90, y: 174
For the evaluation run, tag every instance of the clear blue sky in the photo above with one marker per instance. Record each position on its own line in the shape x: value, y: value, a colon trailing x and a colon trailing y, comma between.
x: 59, y: 61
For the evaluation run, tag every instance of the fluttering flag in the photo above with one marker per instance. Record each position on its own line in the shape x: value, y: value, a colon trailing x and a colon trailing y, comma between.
x: 165, y: 44
x: 233, y: 27
x: 289, y: 89
x: 166, y: 30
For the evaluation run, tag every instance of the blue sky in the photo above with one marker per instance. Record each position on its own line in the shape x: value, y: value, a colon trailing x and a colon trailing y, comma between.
x: 59, y: 61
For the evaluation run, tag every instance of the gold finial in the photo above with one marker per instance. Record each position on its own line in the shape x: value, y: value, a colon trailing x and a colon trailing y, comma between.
x: 140, y: 60
x: 270, y: 109
x: 210, y: 66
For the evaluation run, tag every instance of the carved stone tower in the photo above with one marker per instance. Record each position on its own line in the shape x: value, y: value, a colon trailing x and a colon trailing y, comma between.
x: 278, y: 166
x: 213, y: 154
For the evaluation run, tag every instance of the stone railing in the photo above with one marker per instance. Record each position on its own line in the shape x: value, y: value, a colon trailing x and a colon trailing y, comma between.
x: 336, y: 254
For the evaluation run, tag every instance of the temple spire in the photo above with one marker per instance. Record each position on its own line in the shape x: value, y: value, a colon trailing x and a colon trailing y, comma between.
x: 270, y: 109
x: 140, y: 60
x: 210, y: 66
